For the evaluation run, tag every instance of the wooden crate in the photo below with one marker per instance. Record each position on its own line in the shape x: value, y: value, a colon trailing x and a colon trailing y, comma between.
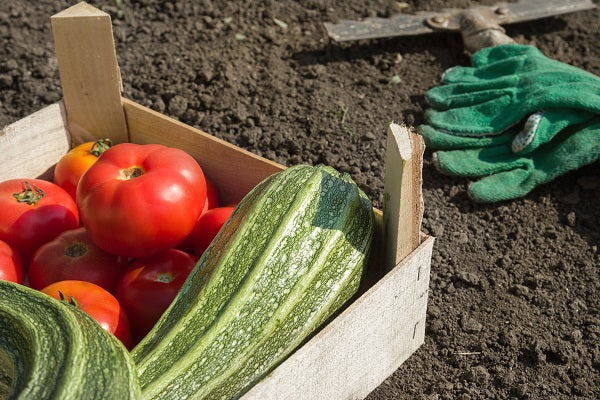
x: 354, y: 352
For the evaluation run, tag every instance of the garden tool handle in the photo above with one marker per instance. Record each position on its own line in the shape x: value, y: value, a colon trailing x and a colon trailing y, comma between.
x: 479, y: 32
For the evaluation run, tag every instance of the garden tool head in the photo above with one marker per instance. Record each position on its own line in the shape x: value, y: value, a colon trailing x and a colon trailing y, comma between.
x: 479, y: 25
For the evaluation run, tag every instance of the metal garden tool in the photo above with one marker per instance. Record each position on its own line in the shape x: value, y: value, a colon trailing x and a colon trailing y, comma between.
x: 515, y: 117
x: 479, y: 25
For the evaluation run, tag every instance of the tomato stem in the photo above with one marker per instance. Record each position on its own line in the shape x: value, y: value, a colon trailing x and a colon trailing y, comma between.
x: 76, y: 249
x: 71, y: 300
x: 100, y: 146
x: 164, y: 278
x: 131, y: 172
x: 29, y: 195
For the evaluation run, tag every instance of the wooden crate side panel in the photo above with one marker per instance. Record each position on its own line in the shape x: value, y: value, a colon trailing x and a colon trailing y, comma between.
x: 31, y: 146
x: 236, y: 170
x: 364, y: 345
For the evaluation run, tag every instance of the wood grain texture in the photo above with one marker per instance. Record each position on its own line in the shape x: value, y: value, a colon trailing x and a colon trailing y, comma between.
x: 89, y: 74
x: 403, y: 201
x: 31, y: 146
x: 363, y: 345
x: 233, y: 169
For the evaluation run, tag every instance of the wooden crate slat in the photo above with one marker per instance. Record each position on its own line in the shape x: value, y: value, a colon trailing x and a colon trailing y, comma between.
x: 31, y: 146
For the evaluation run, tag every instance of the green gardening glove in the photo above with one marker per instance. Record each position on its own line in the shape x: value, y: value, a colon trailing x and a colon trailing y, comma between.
x: 509, y: 176
x: 509, y: 116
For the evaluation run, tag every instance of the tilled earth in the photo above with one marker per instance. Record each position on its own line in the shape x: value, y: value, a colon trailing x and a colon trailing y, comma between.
x: 514, y: 303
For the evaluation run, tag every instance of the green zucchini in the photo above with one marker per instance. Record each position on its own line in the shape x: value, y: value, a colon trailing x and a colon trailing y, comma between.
x: 53, y: 350
x: 292, y: 253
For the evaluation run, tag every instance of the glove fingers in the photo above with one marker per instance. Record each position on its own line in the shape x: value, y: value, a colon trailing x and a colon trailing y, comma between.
x: 556, y: 82
x: 494, y: 54
x: 489, y: 72
x: 494, y: 62
x: 541, y: 127
x: 489, y: 118
x: 478, y: 162
x: 498, y: 114
x: 576, y: 146
x: 440, y: 140
x: 505, y: 185
x: 568, y: 94
x: 523, y: 58
x: 468, y: 94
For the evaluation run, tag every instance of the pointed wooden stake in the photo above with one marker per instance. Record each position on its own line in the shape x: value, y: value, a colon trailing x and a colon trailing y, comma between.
x: 89, y: 74
x: 403, y: 201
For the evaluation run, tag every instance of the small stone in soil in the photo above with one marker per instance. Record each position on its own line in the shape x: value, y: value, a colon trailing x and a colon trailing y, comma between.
x: 470, y: 325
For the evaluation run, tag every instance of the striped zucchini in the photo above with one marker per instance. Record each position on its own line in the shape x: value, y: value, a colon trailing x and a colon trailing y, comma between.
x: 53, y: 350
x: 293, y: 252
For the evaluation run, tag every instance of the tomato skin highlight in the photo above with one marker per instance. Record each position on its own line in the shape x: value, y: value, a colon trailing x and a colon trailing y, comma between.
x: 96, y: 302
x: 207, y: 227
x: 11, y: 266
x: 149, y: 285
x: 73, y: 255
x: 24, y: 225
x: 71, y: 166
x: 139, y: 200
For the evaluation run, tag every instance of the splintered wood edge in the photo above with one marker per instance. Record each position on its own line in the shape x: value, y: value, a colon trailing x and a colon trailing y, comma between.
x: 89, y: 74
x: 418, y: 148
x: 403, y: 201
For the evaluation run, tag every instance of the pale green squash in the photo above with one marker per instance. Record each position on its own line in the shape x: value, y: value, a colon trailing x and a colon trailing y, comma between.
x: 291, y: 255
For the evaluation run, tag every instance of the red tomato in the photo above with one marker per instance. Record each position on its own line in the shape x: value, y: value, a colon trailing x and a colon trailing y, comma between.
x: 33, y: 212
x: 73, y: 256
x: 72, y: 165
x: 207, y: 227
x: 98, y: 303
x: 139, y: 200
x: 212, y: 196
x: 149, y: 285
x: 11, y: 266
x: 212, y: 201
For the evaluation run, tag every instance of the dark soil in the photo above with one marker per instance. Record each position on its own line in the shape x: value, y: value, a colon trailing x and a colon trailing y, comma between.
x: 514, y: 301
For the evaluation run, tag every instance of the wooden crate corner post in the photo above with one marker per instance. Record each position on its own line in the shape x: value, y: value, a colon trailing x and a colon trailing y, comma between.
x: 403, y: 200
x: 89, y: 74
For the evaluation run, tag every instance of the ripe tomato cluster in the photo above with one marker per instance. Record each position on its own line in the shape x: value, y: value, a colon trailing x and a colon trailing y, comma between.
x: 116, y: 233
